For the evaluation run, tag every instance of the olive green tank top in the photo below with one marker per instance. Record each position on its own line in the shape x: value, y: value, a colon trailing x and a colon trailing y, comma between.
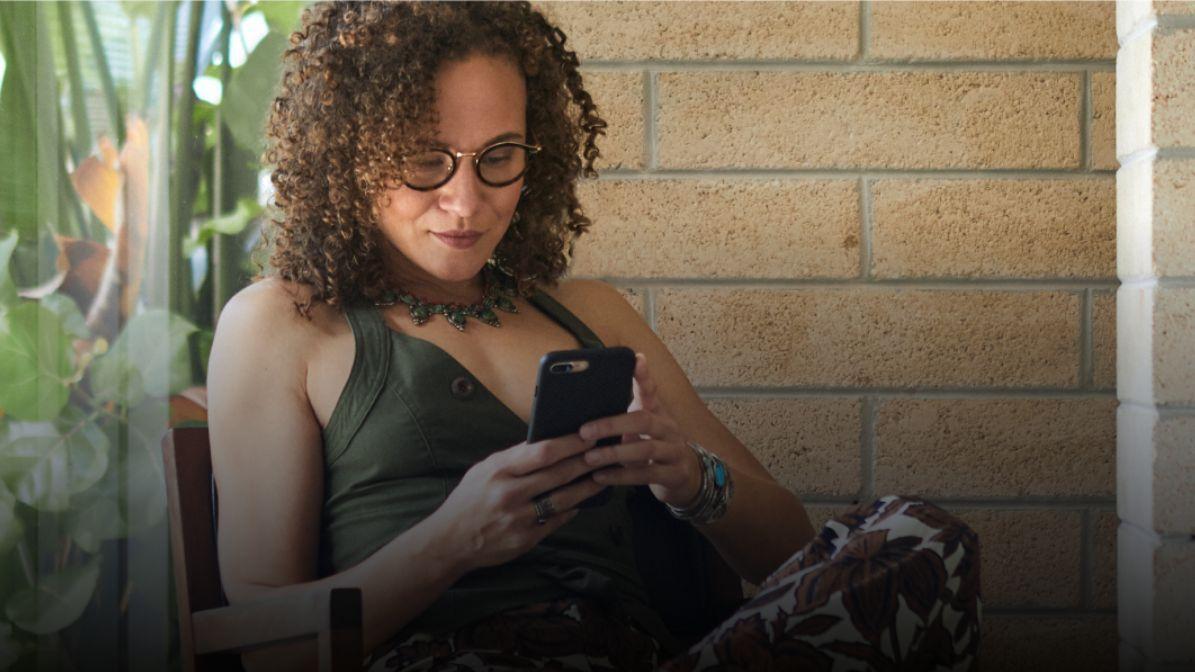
x: 410, y: 421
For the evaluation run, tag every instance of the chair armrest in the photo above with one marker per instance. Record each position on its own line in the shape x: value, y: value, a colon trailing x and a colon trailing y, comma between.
x: 333, y: 616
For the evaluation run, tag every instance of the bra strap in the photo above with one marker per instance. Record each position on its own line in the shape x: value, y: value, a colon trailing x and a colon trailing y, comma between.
x: 566, y: 319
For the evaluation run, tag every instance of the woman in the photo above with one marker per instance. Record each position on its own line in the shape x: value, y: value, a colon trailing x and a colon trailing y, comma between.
x: 367, y: 418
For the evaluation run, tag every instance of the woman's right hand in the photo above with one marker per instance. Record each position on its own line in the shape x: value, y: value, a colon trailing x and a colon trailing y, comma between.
x: 490, y: 519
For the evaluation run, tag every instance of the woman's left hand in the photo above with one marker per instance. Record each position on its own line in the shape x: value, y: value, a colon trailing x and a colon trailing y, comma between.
x: 653, y: 452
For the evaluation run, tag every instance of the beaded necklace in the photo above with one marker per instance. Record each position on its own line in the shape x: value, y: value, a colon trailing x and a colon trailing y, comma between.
x: 495, y: 294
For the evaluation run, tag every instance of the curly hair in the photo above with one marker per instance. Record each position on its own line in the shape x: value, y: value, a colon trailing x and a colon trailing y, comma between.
x: 357, y: 91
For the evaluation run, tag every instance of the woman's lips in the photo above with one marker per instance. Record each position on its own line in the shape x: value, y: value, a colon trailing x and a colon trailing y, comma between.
x: 458, y: 241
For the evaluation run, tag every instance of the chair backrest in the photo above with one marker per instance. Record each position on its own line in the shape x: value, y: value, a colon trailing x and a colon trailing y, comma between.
x: 190, y: 498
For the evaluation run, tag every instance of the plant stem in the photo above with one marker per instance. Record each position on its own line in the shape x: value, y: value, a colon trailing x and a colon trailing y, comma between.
x: 115, y: 116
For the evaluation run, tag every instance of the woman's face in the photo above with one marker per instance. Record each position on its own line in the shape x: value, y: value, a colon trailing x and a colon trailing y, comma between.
x: 480, y: 100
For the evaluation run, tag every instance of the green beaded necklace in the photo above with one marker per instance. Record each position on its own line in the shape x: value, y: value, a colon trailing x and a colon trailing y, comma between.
x: 495, y: 294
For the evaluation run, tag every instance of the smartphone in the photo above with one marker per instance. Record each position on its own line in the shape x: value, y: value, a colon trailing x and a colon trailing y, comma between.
x: 573, y: 387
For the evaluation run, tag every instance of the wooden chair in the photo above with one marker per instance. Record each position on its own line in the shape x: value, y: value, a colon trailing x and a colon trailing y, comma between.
x: 212, y: 633
x: 687, y: 581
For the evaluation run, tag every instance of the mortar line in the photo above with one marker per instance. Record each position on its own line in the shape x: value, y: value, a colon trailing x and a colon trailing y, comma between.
x: 802, y: 392
x: 873, y: 284
x: 867, y: 449
x: 846, y: 65
x: 649, y: 119
x: 1162, y: 410
x: 1085, y: 345
x: 1086, y: 549
x: 866, y: 227
x: 854, y: 173
x: 1085, y: 121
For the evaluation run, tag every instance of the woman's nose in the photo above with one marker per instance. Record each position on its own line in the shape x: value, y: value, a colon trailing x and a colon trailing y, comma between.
x: 463, y: 193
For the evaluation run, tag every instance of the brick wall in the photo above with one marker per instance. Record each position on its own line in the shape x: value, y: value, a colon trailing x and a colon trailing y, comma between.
x: 1156, y: 264
x: 880, y: 237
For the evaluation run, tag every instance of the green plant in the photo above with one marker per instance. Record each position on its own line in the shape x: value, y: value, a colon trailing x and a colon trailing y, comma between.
x: 101, y: 346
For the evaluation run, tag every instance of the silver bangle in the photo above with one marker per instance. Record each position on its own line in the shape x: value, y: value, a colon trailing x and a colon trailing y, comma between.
x: 713, y: 497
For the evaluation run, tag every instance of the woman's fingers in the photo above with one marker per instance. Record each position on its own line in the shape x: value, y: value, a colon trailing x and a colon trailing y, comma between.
x: 633, y: 423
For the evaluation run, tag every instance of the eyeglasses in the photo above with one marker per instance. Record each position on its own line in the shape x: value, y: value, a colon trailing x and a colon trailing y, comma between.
x: 498, y: 165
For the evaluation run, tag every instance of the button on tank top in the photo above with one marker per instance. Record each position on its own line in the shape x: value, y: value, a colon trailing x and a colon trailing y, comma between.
x: 410, y: 421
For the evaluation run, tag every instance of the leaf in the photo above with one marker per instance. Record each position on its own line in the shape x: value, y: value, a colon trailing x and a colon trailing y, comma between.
x: 231, y: 224
x: 80, y: 268
x: 45, y: 463
x: 57, y: 601
x: 98, y: 183
x: 149, y: 346
x: 18, y: 120
x: 66, y: 310
x: 35, y: 361
x: 281, y: 15
x: 250, y: 92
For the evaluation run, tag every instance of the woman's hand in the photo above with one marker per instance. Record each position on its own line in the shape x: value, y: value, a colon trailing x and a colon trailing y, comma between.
x: 490, y: 517
x: 653, y: 452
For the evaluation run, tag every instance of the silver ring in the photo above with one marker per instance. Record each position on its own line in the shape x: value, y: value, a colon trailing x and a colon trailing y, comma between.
x: 544, y: 508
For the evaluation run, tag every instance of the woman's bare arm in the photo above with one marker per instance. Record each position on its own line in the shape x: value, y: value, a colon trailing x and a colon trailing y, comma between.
x: 267, y: 457
x: 765, y: 522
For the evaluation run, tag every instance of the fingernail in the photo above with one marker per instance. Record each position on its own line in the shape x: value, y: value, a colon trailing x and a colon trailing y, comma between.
x: 592, y: 457
x: 586, y: 431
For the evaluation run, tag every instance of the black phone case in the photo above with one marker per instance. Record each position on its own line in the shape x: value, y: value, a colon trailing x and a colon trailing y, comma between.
x: 565, y: 401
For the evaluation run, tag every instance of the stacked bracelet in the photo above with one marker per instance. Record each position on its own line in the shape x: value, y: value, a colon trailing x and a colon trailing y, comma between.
x: 715, y: 492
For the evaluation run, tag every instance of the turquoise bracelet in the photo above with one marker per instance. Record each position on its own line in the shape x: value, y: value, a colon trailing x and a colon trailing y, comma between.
x: 713, y: 496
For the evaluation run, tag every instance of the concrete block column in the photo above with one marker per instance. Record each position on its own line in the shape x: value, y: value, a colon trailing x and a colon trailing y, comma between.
x: 1155, y: 144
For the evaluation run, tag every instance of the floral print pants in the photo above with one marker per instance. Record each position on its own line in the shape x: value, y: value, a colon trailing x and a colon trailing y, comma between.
x: 891, y: 585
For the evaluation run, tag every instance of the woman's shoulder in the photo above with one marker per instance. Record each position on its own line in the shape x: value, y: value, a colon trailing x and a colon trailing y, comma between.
x: 601, y: 306
x: 266, y: 314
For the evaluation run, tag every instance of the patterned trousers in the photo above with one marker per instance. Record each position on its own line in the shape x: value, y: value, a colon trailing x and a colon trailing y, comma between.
x: 891, y: 585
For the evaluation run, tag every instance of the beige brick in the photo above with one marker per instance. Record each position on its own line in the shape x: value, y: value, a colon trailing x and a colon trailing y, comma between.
x: 1174, y: 216
x: 994, y: 228
x: 1174, y: 7
x: 613, y: 31
x: 1103, y: 340
x: 993, y: 30
x: 1174, y: 88
x: 634, y: 297
x: 619, y: 98
x: 1156, y: 469
x: 1174, y: 586
x: 1103, y: 560
x: 1028, y: 558
x: 868, y: 119
x: 996, y: 447
x: 1103, y: 121
x: 720, y: 229
x: 811, y: 446
x: 874, y: 336
x: 1174, y: 346
x: 1156, y: 218
x: 1056, y: 644
x: 1156, y: 91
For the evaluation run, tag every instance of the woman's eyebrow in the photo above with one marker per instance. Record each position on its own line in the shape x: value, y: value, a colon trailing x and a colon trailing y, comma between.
x: 509, y: 135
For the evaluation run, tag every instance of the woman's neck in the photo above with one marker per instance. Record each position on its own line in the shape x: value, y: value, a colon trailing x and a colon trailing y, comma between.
x: 416, y: 281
